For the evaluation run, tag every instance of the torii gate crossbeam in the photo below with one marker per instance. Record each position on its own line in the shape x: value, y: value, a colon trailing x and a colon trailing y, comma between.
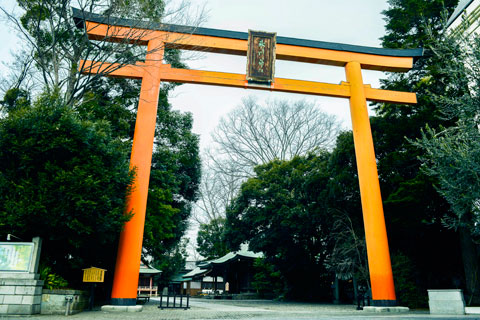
x: 153, y: 71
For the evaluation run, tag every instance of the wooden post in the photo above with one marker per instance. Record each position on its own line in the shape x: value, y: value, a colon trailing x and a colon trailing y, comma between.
x: 125, y: 281
x: 381, y: 278
x: 151, y: 278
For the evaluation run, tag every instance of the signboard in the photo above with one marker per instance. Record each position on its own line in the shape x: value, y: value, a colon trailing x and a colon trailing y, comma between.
x: 261, y: 56
x: 16, y: 256
x: 93, y: 274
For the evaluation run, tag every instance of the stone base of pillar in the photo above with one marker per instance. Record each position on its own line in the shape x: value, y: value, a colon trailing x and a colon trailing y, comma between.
x: 117, y: 308
x: 386, y: 309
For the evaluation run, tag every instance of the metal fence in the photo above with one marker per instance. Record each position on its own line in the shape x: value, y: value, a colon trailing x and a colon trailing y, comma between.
x: 174, y: 301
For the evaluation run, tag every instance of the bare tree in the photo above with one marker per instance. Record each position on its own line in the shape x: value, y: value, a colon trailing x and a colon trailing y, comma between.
x: 218, y: 187
x: 191, y: 248
x: 349, y: 256
x: 55, y: 44
x: 254, y: 134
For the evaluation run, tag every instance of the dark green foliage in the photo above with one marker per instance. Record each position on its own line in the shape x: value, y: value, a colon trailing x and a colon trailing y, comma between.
x: 15, y: 99
x: 412, y: 205
x: 267, y: 281
x: 171, y: 262
x: 281, y: 211
x: 173, y: 180
x: 348, y: 256
x: 409, y: 292
x: 453, y: 157
x: 175, y: 171
x: 112, y: 100
x: 211, y: 239
x: 452, y: 153
x: 407, y: 21
x: 51, y: 280
x: 343, y: 191
x: 64, y: 179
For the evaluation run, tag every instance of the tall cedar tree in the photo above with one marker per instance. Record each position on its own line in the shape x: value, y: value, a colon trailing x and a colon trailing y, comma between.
x: 413, y: 208
x: 452, y: 153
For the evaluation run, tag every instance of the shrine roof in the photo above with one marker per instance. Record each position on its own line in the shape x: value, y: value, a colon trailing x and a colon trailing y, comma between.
x: 231, y: 256
x: 144, y: 269
x: 196, y: 272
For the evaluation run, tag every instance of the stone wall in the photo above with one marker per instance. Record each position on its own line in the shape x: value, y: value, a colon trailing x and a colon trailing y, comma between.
x: 20, y: 293
x: 55, y: 302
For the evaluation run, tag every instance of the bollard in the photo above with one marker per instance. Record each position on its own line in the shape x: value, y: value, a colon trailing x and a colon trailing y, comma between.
x: 69, y: 300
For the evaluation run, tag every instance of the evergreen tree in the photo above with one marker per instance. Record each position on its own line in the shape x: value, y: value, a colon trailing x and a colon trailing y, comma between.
x: 211, y: 239
x: 452, y: 155
x: 64, y: 179
x: 281, y: 212
x: 55, y: 45
x: 412, y: 205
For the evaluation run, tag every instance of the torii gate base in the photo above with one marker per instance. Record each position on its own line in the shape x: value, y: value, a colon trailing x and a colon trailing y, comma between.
x: 153, y: 71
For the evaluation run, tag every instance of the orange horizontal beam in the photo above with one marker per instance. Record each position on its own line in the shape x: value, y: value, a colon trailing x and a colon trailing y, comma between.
x: 113, y: 70
x: 239, y: 47
x: 283, y: 85
x: 291, y: 53
x: 389, y: 96
x: 341, y: 58
x: 169, y: 74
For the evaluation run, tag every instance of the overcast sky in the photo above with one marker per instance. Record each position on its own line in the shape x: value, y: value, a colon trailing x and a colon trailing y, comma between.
x: 342, y: 21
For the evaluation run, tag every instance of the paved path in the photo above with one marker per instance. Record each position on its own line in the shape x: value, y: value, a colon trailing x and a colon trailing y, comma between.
x: 202, y: 309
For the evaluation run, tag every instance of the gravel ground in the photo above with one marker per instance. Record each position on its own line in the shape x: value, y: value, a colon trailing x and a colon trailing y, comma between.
x: 246, y: 309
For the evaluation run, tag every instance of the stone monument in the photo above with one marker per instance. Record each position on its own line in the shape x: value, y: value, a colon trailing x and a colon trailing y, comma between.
x: 20, y: 287
x: 447, y: 301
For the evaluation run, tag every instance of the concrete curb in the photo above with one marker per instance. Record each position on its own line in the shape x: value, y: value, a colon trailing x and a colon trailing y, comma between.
x: 386, y: 309
x: 110, y: 308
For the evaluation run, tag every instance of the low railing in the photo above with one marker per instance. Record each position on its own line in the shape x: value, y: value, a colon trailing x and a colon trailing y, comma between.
x: 174, y: 301
x: 150, y: 290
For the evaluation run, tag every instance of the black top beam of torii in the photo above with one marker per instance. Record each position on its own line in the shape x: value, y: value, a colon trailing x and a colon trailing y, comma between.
x: 80, y: 16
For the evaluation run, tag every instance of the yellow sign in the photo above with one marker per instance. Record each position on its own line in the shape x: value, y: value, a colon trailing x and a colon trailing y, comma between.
x: 93, y: 274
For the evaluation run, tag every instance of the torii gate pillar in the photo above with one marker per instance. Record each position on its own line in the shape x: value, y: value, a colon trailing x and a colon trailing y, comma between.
x: 381, y: 277
x: 125, y: 281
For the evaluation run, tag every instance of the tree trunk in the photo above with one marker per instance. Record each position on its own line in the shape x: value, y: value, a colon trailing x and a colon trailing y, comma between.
x: 336, y: 291
x: 355, y: 289
x: 470, y: 266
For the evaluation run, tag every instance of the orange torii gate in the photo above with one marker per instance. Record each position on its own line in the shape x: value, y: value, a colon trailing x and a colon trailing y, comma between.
x: 153, y: 71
